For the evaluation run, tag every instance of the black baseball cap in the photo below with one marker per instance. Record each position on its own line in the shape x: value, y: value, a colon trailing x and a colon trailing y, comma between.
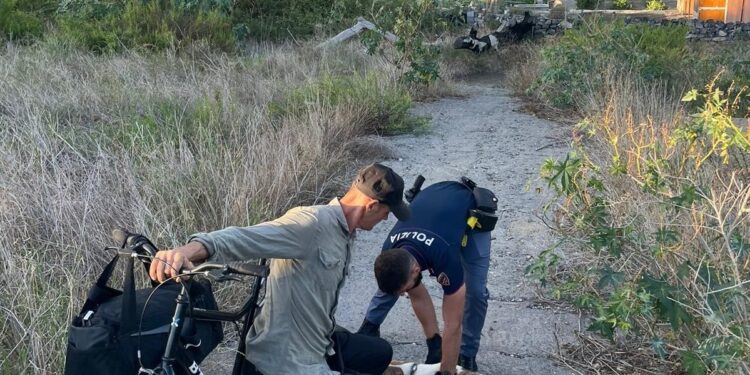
x: 380, y: 182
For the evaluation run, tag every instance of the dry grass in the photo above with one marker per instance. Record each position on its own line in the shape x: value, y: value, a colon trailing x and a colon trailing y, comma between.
x: 524, y: 62
x: 523, y: 66
x: 165, y: 144
x: 594, y: 355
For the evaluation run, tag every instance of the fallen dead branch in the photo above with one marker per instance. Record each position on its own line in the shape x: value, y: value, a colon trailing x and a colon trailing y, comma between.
x: 361, y: 25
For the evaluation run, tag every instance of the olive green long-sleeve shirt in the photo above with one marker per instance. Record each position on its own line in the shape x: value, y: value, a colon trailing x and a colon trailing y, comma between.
x: 310, y: 250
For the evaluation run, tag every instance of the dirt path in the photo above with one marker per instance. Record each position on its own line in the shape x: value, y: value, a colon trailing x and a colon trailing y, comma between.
x: 485, y: 137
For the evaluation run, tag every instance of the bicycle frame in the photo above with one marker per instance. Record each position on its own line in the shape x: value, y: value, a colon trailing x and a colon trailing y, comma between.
x: 167, y: 360
x: 247, y: 311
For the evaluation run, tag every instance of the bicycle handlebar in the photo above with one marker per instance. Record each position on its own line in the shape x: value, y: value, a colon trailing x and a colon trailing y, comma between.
x: 239, y: 268
x: 140, y: 246
x: 243, y: 268
x: 137, y: 243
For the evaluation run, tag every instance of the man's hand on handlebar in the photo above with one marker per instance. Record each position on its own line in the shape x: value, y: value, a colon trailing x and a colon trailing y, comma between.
x: 168, y: 263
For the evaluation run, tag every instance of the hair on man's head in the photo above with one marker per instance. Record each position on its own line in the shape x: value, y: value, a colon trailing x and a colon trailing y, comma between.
x: 392, y: 268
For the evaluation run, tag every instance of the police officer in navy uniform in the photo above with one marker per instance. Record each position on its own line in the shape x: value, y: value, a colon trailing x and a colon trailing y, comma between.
x: 443, y: 237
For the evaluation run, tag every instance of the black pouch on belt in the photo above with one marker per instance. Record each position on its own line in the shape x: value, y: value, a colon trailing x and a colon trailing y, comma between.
x: 485, y: 211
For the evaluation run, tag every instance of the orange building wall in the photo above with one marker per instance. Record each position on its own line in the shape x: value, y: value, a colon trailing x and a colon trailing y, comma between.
x: 712, y: 9
x: 738, y: 11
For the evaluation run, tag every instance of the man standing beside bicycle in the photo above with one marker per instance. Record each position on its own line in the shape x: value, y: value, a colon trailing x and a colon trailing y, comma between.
x: 310, y: 250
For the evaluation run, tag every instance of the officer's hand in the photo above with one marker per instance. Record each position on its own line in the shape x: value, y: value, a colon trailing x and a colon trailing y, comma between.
x: 167, y: 264
x: 434, y: 349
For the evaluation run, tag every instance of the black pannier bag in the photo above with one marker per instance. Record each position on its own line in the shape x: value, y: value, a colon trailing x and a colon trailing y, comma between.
x: 108, y: 333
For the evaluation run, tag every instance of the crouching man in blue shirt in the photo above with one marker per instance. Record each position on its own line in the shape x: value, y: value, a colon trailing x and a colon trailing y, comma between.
x: 449, y: 235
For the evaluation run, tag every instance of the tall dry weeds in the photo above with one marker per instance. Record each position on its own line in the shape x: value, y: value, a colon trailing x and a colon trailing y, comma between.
x: 166, y: 144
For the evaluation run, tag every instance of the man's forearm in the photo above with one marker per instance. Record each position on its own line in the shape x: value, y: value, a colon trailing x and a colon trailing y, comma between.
x: 451, y: 343
x: 195, y: 251
x: 453, y: 314
x: 424, y: 310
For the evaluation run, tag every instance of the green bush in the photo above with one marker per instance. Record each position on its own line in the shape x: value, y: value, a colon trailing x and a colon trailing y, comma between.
x: 413, y: 22
x: 656, y: 5
x: 666, y: 269
x: 587, y: 4
x: 20, y: 21
x: 155, y: 25
x: 275, y: 20
x: 621, y: 4
x: 573, y: 66
x: 668, y: 265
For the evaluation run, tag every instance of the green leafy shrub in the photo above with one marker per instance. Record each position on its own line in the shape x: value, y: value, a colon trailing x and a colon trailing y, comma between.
x: 656, y: 5
x: 156, y: 25
x: 413, y: 22
x: 587, y: 4
x: 573, y: 66
x: 275, y: 20
x: 671, y: 260
x: 20, y: 20
x: 621, y: 4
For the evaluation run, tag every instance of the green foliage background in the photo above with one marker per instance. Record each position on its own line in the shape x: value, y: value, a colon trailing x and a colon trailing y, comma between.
x: 116, y: 25
x: 572, y: 67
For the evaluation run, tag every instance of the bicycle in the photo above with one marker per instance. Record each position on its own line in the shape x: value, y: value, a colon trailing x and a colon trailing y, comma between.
x: 141, y: 248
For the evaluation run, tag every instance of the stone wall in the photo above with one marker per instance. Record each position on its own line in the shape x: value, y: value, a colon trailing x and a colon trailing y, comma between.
x: 547, y: 26
x: 717, y: 31
x: 636, y: 4
x: 714, y: 31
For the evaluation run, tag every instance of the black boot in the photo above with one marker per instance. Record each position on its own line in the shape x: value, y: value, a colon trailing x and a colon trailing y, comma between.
x: 368, y: 328
x: 468, y: 363
x: 434, y: 349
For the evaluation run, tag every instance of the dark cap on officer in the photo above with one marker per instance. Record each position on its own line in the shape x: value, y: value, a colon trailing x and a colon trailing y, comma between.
x: 382, y: 183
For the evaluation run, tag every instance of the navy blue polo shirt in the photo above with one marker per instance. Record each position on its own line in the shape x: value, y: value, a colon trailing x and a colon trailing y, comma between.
x: 434, y: 231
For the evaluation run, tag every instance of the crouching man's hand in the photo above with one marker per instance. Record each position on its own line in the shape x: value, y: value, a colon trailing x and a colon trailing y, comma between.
x: 434, y: 349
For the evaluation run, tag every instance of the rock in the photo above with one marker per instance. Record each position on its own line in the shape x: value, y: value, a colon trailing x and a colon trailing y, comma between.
x: 557, y: 13
x: 722, y: 33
